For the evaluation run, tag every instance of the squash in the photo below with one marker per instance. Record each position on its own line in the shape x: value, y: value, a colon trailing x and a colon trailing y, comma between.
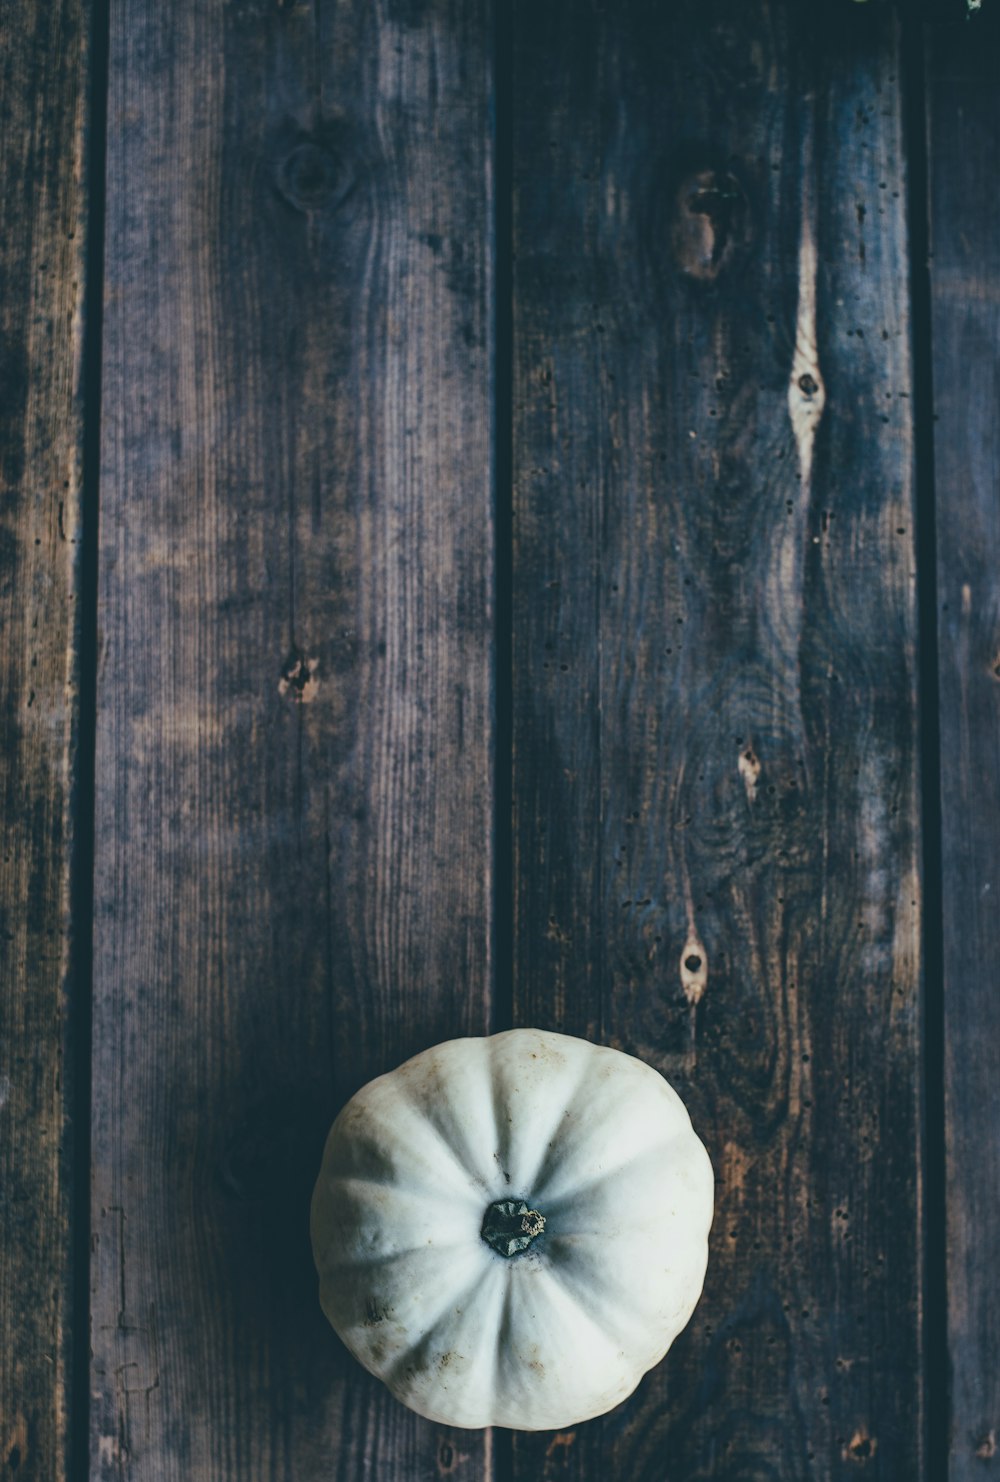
x: 511, y: 1230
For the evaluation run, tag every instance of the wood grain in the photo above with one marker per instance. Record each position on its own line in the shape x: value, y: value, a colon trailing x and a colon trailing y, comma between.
x: 715, y: 730
x: 293, y: 770
x: 964, y: 133
x: 43, y: 224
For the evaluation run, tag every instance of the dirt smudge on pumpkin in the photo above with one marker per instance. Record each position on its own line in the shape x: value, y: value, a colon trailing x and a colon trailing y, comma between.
x: 375, y: 1314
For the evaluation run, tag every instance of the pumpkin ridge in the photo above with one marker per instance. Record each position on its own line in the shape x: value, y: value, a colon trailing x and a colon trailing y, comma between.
x: 621, y: 1306
x: 391, y: 1374
x: 370, y: 1138
x: 418, y: 1108
x: 420, y: 1190
x: 558, y: 1276
x: 504, y: 1326
x: 529, y: 1178
x: 638, y: 1107
x: 557, y: 1202
x: 598, y: 1354
x: 574, y: 1110
x: 379, y: 1258
x: 355, y: 1188
x: 439, y: 1102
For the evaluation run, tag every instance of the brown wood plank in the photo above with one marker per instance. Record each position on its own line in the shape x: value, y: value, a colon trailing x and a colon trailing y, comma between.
x: 715, y: 726
x: 43, y: 222
x: 294, y: 771
x: 964, y: 134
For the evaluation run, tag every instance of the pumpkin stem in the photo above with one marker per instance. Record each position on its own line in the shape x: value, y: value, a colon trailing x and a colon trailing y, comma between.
x: 509, y: 1226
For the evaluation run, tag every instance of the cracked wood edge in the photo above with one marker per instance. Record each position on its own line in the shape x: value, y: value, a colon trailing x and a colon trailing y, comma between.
x: 43, y: 229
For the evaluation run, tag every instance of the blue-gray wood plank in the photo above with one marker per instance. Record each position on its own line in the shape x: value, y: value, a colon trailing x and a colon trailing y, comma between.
x: 293, y: 777
x: 295, y: 738
x: 716, y: 729
x: 44, y: 70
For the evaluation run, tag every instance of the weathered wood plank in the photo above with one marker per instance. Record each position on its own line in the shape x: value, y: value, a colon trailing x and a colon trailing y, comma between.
x: 294, y: 772
x: 964, y: 133
x: 43, y: 223
x: 715, y: 726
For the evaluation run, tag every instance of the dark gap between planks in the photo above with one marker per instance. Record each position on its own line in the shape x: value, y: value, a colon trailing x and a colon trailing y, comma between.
x: 502, y: 1014
x: 502, y: 1008
x: 936, y: 1405
x: 82, y: 861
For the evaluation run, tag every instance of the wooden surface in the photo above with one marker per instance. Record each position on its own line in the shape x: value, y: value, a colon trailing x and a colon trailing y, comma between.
x: 367, y: 266
x: 43, y: 225
x: 293, y: 747
x: 715, y: 671
x: 964, y: 122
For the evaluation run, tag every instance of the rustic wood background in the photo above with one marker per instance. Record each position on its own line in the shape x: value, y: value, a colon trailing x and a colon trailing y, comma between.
x: 500, y: 524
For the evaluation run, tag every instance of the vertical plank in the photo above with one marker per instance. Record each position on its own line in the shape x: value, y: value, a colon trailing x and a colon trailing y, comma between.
x: 294, y: 774
x: 715, y: 726
x: 964, y: 135
x: 43, y: 221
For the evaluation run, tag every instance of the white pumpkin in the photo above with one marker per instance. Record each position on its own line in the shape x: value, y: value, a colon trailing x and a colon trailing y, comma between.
x: 512, y: 1230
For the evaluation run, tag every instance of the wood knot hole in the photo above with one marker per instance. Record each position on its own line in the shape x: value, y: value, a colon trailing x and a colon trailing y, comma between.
x: 694, y: 969
x: 861, y: 1447
x: 298, y: 681
x: 313, y: 178
x: 748, y: 766
x: 711, y: 224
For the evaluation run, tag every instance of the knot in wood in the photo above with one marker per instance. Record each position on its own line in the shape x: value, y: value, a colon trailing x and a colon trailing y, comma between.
x: 861, y: 1447
x: 710, y: 225
x: 694, y: 968
x: 298, y: 681
x: 313, y: 178
x: 986, y: 1450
